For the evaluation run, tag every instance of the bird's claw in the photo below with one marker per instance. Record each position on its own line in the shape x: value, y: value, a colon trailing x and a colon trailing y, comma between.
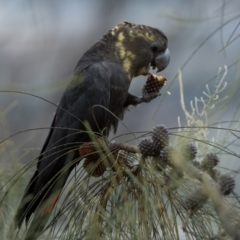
x: 150, y: 96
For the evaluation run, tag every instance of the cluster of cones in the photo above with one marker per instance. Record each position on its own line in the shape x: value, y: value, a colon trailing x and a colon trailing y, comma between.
x: 158, y: 147
x: 98, y: 157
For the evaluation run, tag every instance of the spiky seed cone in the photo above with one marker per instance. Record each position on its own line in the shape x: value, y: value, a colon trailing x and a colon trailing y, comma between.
x: 154, y: 84
x: 210, y: 161
x: 196, y: 164
x: 160, y: 137
x: 166, y: 154
x: 89, y: 150
x: 196, y: 200
x: 227, y: 184
x: 94, y: 168
x: 215, y: 174
x: 164, y: 159
x: 189, y: 151
x: 146, y: 147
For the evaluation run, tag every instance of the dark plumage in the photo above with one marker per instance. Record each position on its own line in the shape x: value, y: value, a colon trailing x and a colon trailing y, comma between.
x: 99, y: 86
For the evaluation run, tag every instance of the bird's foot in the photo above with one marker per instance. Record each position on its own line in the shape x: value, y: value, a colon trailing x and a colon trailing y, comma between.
x: 149, y: 97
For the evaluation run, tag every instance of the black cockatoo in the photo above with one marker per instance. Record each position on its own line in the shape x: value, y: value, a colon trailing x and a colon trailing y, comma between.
x: 97, y: 95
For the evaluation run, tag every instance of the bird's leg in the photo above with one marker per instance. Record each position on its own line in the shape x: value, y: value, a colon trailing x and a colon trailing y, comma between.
x: 133, y: 100
x: 148, y: 97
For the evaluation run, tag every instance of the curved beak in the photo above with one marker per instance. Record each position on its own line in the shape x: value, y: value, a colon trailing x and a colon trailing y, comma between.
x: 162, y: 60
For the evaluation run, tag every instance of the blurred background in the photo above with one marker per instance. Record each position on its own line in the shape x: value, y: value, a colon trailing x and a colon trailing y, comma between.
x: 41, y: 42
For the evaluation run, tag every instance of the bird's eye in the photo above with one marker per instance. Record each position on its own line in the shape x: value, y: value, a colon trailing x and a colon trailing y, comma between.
x: 154, y: 47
